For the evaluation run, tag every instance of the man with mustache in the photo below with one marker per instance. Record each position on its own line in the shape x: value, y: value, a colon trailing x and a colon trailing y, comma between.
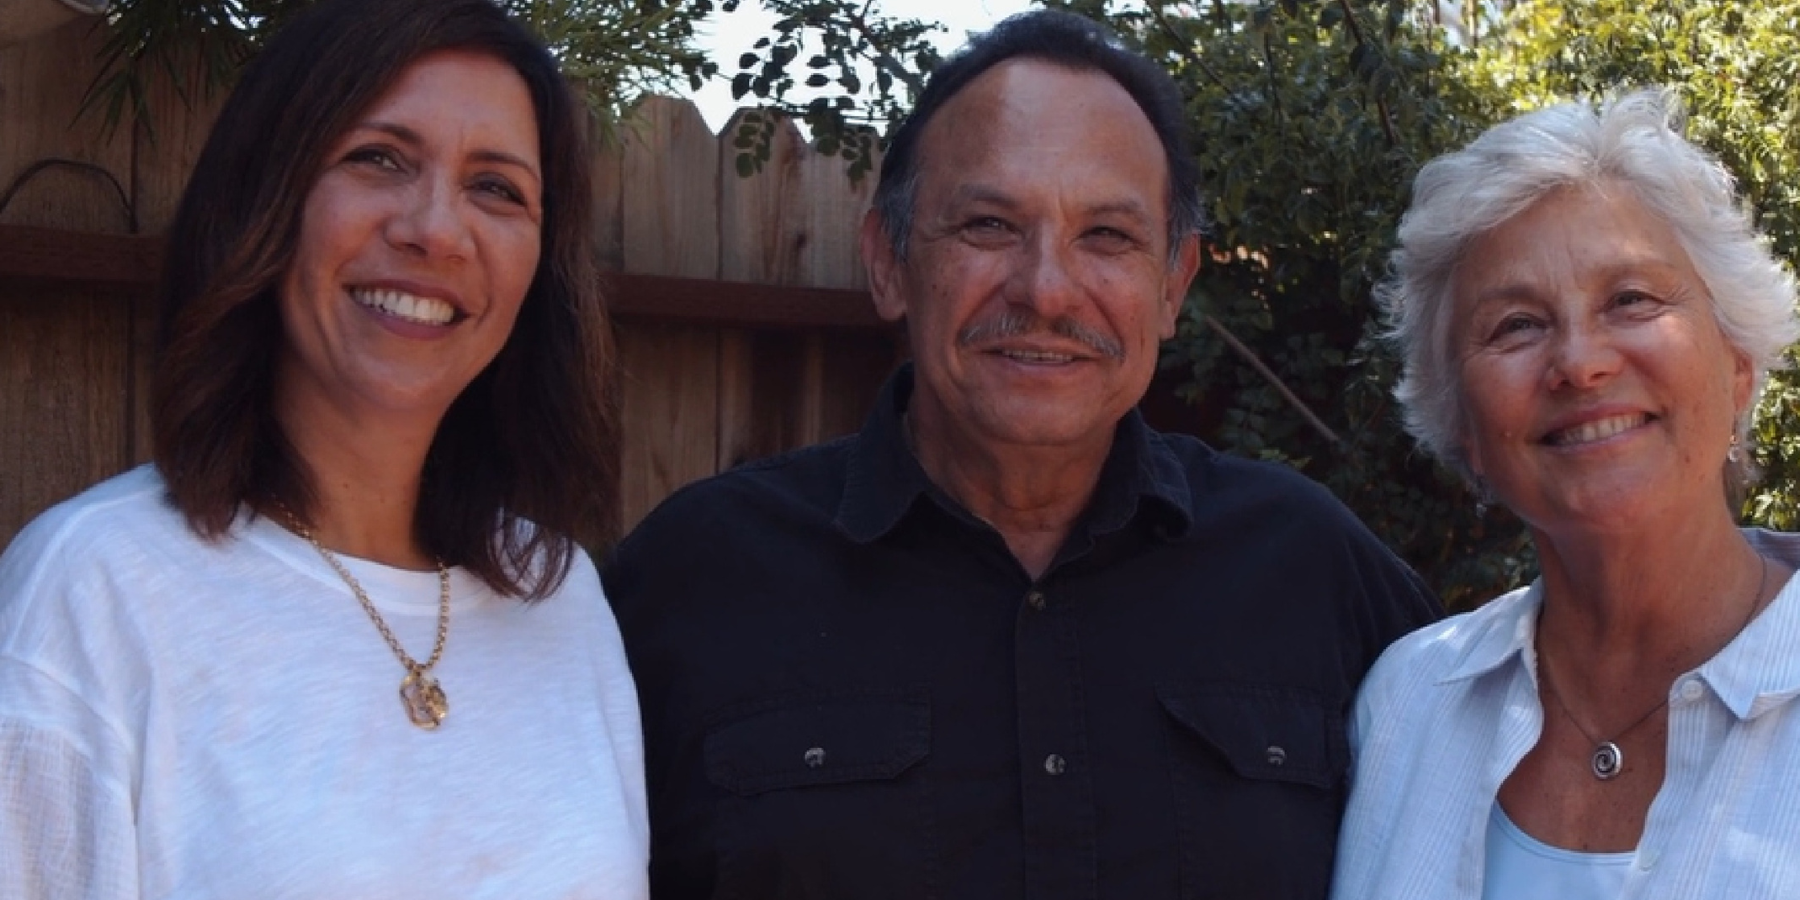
x: 1008, y: 641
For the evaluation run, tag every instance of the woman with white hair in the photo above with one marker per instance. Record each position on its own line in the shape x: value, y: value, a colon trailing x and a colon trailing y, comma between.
x: 1587, y: 316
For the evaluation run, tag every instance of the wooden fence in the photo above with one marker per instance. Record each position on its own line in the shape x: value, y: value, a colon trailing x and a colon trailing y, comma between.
x: 742, y: 322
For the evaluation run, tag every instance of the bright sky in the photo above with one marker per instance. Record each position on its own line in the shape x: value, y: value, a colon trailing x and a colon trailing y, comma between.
x: 729, y: 35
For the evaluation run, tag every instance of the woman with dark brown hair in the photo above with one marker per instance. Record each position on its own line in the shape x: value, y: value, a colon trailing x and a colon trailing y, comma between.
x: 291, y: 659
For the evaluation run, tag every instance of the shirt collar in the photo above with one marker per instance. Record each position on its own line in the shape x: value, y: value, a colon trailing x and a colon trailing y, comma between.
x: 1507, y: 632
x: 1758, y: 671
x: 883, y: 479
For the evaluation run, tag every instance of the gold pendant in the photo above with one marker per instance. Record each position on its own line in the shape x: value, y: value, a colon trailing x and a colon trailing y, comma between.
x: 425, y: 702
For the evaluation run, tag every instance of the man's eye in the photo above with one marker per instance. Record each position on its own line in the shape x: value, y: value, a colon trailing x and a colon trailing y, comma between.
x: 1112, y: 236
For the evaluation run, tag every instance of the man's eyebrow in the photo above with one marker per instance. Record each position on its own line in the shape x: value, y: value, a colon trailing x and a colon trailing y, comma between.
x: 981, y: 193
x: 1128, y: 207
x: 985, y: 194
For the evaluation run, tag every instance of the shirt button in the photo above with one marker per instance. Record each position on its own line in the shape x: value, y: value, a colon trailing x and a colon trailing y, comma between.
x: 1691, y: 690
x: 1646, y: 860
x: 1035, y: 600
x: 1055, y: 764
x: 1276, y: 755
x: 815, y: 757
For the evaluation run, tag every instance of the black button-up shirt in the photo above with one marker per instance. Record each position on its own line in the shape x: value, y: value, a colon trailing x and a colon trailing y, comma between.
x: 852, y: 690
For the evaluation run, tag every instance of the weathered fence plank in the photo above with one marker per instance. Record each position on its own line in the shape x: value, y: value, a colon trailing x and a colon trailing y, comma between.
x: 669, y: 226
x: 65, y: 349
x: 62, y: 411
x: 794, y: 223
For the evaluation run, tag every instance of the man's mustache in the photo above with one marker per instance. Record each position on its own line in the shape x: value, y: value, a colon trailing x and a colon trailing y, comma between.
x: 1017, y: 322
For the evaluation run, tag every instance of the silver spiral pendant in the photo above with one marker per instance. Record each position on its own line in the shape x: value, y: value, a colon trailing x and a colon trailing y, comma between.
x: 1608, y: 759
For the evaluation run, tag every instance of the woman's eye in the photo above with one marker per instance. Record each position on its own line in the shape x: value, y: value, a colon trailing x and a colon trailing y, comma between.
x: 1512, y: 326
x: 375, y: 156
x: 1638, y: 305
x: 499, y: 187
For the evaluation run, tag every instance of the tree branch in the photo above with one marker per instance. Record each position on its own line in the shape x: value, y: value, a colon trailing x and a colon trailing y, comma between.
x: 1387, y: 119
x: 1250, y: 358
x: 1183, y: 46
x: 884, y: 57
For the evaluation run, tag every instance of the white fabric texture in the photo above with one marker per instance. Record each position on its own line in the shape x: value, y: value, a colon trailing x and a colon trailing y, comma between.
x: 1448, y: 712
x: 1519, y: 865
x: 181, y: 719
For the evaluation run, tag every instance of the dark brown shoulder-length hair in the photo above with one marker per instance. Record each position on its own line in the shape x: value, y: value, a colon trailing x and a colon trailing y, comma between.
x: 531, y: 438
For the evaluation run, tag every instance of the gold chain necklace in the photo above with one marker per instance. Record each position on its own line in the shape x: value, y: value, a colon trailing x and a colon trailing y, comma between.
x: 424, y: 700
x: 1608, y: 760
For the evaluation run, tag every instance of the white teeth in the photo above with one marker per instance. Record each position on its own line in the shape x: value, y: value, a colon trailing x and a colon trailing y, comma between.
x: 1598, y: 430
x: 412, y: 308
x: 1035, y: 356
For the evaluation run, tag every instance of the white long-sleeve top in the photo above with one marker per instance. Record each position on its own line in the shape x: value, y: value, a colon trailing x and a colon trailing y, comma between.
x: 1448, y: 712
x: 181, y: 719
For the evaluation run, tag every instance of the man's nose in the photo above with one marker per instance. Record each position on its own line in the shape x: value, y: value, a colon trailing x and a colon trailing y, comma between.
x: 1047, y: 280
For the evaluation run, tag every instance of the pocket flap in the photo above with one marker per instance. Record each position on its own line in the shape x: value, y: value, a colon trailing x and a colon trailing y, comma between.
x: 1268, y: 733
x: 804, y: 740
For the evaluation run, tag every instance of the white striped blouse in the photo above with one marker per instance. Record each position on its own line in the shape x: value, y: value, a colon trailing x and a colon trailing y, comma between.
x: 1449, y: 710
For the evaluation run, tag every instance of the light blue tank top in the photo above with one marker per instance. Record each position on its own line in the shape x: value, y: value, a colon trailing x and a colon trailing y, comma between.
x: 1521, y: 867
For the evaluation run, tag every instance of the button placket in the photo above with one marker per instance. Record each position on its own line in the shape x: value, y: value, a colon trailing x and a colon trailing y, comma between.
x: 1057, y: 791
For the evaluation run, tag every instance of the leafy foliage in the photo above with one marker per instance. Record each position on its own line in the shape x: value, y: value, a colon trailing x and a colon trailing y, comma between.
x: 1313, y: 116
x: 1737, y: 67
x: 842, y: 45
x: 620, y: 49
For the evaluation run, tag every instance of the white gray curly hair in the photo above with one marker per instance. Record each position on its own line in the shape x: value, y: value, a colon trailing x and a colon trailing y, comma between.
x: 1634, y: 140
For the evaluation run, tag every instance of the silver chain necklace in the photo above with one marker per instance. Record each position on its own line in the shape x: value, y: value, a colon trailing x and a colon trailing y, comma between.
x: 1608, y: 760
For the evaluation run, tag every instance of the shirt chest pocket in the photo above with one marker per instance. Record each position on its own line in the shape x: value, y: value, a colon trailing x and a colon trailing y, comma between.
x: 1257, y: 776
x: 822, y: 796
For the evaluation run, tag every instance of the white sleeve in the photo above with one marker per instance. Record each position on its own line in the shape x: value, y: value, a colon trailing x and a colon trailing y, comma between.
x: 624, y: 724
x: 65, y: 830
x: 66, y: 822
x: 1362, y: 718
